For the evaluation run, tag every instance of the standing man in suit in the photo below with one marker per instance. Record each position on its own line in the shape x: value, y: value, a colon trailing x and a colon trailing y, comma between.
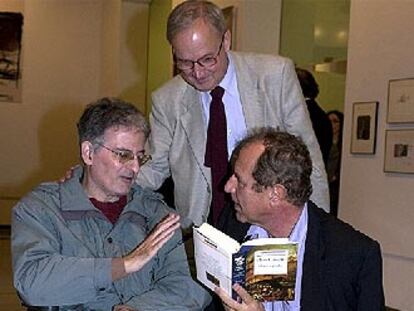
x: 259, y: 90
x: 339, y: 268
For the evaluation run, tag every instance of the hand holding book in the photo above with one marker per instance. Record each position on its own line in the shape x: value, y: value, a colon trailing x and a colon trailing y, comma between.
x: 248, y: 303
x: 266, y: 268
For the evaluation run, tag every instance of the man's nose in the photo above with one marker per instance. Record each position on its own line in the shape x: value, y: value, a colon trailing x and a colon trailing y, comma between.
x: 198, y: 71
x: 230, y: 185
x: 134, y: 165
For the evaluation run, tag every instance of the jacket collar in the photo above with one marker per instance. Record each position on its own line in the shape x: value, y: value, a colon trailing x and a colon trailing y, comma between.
x: 314, y: 260
x: 252, y: 95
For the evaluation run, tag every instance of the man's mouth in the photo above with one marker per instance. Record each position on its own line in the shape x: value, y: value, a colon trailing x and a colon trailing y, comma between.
x: 128, y: 179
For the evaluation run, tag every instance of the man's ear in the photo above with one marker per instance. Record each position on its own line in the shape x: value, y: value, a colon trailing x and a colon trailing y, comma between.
x: 87, y: 152
x: 278, y: 193
x: 227, y: 40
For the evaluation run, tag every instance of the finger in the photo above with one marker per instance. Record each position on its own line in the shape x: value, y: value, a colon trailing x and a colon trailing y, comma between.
x: 164, y: 228
x: 228, y: 302
x: 244, y: 295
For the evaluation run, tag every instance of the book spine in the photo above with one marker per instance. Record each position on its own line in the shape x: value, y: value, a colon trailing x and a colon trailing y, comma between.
x: 238, y: 272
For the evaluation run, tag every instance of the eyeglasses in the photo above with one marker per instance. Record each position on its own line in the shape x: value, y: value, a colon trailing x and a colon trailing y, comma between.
x: 205, y: 61
x: 126, y: 156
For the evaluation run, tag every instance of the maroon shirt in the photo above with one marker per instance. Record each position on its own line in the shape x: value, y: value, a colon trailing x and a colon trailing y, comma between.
x: 111, y: 210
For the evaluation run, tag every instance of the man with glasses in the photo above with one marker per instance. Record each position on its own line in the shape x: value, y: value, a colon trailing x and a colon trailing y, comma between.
x: 256, y: 90
x: 98, y: 241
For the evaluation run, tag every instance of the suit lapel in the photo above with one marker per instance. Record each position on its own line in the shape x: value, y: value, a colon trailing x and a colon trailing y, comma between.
x: 251, y: 96
x: 193, y: 125
x: 312, y: 277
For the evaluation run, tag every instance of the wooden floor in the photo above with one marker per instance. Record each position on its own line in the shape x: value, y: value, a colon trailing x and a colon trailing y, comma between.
x: 8, y: 298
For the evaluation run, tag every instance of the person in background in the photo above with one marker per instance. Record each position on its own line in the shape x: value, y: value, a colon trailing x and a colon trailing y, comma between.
x: 333, y: 168
x: 98, y: 241
x: 338, y: 267
x: 188, y: 126
x: 320, y: 121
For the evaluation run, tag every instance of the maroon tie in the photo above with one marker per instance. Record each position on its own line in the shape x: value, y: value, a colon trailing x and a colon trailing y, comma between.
x: 216, y: 152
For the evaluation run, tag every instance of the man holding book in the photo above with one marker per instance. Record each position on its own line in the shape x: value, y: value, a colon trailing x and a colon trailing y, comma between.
x: 338, y: 268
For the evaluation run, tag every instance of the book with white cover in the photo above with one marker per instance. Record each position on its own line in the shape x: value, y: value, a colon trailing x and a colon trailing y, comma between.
x: 266, y: 267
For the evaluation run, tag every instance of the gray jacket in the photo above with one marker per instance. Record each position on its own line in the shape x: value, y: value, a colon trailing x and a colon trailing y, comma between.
x: 62, y: 248
x: 270, y: 95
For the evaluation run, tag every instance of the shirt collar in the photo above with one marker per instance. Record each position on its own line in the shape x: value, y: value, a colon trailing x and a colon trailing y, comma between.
x: 297, y: 235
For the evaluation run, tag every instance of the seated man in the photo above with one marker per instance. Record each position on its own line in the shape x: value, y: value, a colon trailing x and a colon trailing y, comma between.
x: 98, y: 241
x: 339, y: 268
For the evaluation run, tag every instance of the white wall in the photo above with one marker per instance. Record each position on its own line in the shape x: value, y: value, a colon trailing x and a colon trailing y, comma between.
x: 257, y: 24
x: 380, y: 48
x: 72, y: 52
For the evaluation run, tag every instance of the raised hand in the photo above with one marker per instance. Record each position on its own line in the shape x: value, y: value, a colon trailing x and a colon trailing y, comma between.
x: 152, y: 243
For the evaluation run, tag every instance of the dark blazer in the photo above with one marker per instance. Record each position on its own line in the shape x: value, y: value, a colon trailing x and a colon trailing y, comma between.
x: 342, y: 268
x: 321, y: 126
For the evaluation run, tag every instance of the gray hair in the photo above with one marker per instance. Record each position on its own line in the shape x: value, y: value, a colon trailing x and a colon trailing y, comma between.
x: 106, y: 113
x: 184, y: 15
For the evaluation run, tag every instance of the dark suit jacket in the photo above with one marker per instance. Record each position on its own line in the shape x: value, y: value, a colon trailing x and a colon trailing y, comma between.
x: 321, y: 126
x: 342, y: 268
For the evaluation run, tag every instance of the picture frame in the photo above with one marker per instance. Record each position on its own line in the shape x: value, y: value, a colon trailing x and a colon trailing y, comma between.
x: 364, y: 127
x: 400, y: 101
x: 399, y: 151
x: 11, y: 32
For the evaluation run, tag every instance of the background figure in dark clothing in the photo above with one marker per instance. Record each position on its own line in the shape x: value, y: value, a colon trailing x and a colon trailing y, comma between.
x: 334, y: 161
x: 320, y: 122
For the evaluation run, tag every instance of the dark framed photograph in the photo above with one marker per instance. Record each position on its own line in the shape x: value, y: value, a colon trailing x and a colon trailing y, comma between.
x: 399, y: 151
x: 364, y: 127
x: 11, y: 27
x: 400, y: 101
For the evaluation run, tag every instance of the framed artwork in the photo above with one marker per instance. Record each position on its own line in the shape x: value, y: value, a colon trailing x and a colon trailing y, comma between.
x: 399, y: 151
x: 400, y: 101
x: 10, y: 56
x: 364, y: 127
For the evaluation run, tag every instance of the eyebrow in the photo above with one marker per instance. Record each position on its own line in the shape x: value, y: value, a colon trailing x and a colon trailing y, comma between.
x: 239, y: 179
x: 125, y: 149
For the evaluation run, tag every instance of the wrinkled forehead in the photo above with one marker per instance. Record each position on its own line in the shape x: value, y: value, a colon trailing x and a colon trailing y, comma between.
x: 198, y: 35
x: 122, y: 131
x: 247, y: 157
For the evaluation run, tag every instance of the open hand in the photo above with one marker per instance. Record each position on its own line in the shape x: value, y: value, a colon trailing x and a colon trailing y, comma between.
x: 152, y: 243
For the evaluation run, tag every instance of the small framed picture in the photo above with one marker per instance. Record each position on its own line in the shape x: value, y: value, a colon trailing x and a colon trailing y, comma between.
x: 399, y: 151
x: 364, y: 127
x: 400, y: 101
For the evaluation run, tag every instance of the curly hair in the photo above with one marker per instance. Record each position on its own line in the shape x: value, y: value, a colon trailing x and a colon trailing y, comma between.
x: 285, y: 161
x: 106, y: 113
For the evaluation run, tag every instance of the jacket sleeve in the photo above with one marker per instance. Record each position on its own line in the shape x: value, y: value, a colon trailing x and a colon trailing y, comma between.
x: 370, y: 286
x: 297, y: 121
x: 174, y: 289
x: 42, y: 276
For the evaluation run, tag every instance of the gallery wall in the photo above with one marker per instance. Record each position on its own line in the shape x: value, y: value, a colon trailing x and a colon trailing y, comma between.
x: 72, y: 52
x: 380, y: 204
